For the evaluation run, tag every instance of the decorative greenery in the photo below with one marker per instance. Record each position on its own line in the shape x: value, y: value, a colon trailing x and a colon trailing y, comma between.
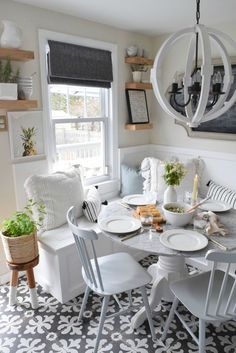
x: 139, y: 67
x: 28, y: 142
x: 6, y: 73
x: 21, y: 223
x: 174, y: 173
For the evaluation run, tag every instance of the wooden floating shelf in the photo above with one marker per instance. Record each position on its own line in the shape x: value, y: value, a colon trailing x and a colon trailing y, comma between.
x: 18, y: 104
x: 138, y: 60
x: 16, y: 54
x: 138, y: 85
x: 136, y: 127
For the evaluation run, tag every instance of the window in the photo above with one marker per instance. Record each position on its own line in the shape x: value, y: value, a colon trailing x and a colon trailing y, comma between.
x: 80, y: 119
x: 80, y: 105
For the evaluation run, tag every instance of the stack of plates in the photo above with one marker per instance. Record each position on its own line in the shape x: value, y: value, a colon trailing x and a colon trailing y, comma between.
x: 25, y: 87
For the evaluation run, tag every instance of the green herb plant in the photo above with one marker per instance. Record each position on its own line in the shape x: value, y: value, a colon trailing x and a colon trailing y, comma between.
x: 22, y: 222
x: 174, y: 173
x: 139, y: 67
x: 6, y: 72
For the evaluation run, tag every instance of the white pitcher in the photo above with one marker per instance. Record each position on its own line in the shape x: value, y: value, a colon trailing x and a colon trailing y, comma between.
x: 11, y: 36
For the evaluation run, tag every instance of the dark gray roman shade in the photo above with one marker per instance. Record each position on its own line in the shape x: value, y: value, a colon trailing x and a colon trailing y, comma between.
x: 78, y: 65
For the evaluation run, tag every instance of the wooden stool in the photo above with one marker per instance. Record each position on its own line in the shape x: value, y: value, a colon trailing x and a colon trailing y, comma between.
x: 28, y: 267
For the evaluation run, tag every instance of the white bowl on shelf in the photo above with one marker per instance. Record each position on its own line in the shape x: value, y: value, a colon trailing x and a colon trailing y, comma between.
x: 178, y: 219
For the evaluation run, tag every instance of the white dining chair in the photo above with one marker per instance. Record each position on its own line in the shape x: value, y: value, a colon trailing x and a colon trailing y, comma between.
x: 108, y: 275
x: 210, y: 296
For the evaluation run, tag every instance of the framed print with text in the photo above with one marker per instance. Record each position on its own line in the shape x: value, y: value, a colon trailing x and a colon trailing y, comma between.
x: 137, y: 106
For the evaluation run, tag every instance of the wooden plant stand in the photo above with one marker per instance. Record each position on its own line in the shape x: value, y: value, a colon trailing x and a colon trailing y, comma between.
x: 28, y: 267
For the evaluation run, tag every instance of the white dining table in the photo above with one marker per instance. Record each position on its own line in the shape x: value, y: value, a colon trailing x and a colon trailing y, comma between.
x: 171, y: 264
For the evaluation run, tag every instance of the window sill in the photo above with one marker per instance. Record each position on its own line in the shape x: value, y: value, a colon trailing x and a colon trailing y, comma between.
x: 108, y: 189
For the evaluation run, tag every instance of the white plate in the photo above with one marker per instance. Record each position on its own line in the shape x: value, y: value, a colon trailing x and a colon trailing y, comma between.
x: 138, y: 200
x: 183, y: 240
x: 215, y: 206
x: 120, y: 224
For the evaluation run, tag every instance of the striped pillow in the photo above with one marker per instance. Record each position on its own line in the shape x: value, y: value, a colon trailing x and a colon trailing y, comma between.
x: 221, y: 193
x: 92, y: 205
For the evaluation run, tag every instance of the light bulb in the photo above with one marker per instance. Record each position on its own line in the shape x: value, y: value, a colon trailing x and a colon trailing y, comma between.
x: 198, y: 77
x: 176, y: 77
x: 217, y: 78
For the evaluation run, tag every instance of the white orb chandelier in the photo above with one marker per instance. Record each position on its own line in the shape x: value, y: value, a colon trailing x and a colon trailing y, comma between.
x: 204, y: 92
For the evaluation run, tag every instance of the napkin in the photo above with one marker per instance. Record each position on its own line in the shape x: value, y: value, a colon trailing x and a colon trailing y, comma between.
x: 213, y: 225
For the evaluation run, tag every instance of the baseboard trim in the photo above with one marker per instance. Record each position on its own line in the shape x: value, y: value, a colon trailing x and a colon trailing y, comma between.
x: 4, y: 278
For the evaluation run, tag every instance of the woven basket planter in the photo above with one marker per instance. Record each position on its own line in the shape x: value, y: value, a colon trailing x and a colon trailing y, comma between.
x: 22, y: 249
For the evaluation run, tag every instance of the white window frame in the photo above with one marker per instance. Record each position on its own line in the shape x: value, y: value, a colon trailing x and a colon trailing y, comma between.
x: 112, y: 129
x: 105, y: 119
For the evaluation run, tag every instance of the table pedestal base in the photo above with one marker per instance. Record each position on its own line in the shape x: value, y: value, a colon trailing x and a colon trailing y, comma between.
x: 166, y: 270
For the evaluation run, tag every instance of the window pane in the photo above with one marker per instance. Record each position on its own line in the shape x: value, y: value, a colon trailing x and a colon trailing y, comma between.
x: 75, y: 101
x: 58, y: 101
x: 93, y: 102
x: 81, y: 143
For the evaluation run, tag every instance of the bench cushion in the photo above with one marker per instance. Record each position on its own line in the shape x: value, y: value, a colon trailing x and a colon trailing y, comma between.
x: 55, y: 240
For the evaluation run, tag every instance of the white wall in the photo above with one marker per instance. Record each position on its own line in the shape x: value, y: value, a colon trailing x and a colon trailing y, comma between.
x: 165, y: 131
x: 30, y: 19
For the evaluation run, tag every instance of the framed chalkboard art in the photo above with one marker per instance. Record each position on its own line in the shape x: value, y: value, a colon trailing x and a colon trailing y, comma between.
x: 137, y: 106
x: 223, y: 127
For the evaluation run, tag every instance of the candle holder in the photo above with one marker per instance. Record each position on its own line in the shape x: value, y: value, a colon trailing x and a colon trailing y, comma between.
x: 194, y: 200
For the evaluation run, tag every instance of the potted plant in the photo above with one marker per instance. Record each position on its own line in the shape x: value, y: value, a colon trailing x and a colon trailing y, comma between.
x: 28, y: 141
x: 19, y: 233
x: 137, y: 70
x: 173, y: 174
x: 8, y: 81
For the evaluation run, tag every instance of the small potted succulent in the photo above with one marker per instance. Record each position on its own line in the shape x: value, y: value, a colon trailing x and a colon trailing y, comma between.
x: 19, y: 233
x: 8, y: 81
x: 174, y: 172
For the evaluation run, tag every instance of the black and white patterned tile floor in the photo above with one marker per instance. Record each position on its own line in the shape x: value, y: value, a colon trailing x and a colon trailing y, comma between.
x: 54, y: 327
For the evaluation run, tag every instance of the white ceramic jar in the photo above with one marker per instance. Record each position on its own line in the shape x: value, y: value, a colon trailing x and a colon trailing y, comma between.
x: 132, y: 51
x: 11, y: 35
x: 170, y: 194
x: 137, y: 76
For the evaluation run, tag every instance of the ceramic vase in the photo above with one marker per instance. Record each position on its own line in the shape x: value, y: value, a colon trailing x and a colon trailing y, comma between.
x: 11, y: 36
x: 137, y: 76
x: 170, y: 194
x: 132, y: 51
x: 25, y: 87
